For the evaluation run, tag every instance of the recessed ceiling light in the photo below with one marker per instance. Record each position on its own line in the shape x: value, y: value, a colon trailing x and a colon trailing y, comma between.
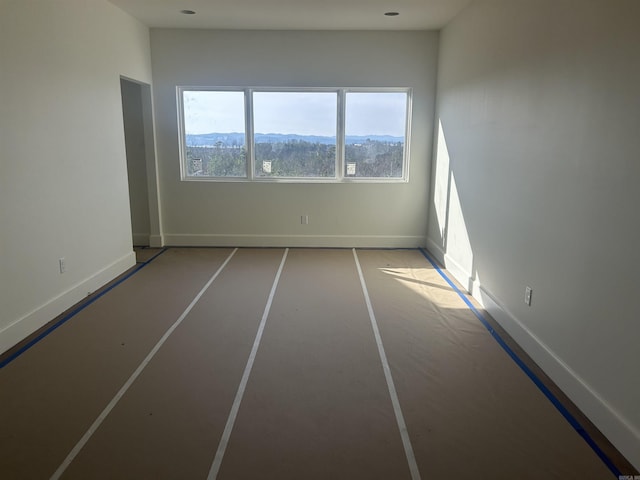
x: 188, y: 12
x: 392, y: 14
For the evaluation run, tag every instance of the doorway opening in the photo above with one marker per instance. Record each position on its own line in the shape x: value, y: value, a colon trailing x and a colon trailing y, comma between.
x: 138, y: 132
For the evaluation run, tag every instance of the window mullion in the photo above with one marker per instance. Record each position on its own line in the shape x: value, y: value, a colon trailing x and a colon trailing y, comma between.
x: 340, y: 136
x: 248, y: 105
x: 182, y: 135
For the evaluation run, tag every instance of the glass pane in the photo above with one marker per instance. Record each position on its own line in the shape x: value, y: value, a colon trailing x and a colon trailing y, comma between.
x: 214, y: 134
x: 295, y: 134
x: 375, y: 127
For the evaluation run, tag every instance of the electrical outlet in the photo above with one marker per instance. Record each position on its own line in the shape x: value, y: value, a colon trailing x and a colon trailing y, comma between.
x: 527, y: 295
x: 304, y: 219
x: 63, y: 264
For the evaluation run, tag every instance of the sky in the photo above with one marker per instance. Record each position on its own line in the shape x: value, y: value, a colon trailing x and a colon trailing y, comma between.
x: 302, y: 113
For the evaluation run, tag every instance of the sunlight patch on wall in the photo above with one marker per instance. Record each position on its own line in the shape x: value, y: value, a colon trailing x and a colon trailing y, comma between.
x: 454, y: 241
x: 457, y: 241
x: 441, y: 183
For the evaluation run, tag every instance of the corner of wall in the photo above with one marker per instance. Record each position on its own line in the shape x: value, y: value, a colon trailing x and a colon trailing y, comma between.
x: 457, y: 271
x: 156, y: 241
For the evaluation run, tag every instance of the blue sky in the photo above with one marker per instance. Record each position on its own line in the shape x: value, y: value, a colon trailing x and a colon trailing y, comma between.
x: 302, y: 113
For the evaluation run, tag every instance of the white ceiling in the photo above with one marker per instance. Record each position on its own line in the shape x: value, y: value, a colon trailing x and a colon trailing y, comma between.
x: 295, y: 14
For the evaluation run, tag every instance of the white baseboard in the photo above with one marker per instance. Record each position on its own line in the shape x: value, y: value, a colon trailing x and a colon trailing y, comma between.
x: 331, y: 241
x: 140, y: 239
x: 26, y: 325
x: 435, y: 250
x: 156, y: 241
x: 620, y: 432
x: 456, y: 270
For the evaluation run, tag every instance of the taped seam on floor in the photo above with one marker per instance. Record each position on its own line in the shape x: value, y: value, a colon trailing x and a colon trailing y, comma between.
x: 226, y: 434
x: 532, y: 376
x: 404, y: 433
x: 96, y: 424
x: 75, y: 311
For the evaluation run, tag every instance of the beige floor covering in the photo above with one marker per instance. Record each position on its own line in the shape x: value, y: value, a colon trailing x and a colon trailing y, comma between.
x: 144, y: 254
x: 316, y: 404
x: 469, y: 408
x: 52, y: 393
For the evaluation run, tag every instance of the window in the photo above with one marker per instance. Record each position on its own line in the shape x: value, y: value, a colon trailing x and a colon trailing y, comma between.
x: 214, y: 142
x: 295, y: 134
x: 303, y: 135
x: 375, y: 128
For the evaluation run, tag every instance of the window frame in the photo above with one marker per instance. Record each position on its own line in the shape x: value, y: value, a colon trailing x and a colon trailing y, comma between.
x: 293, y: 179
x: 340, y: 162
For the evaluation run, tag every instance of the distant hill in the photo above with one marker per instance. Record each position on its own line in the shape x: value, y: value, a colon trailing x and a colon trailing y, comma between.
x: 234, y: 138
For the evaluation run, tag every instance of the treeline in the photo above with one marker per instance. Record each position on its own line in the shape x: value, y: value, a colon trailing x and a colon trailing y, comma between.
x: 376, y: 159
x: 217, y: 161
x: 296, y: 158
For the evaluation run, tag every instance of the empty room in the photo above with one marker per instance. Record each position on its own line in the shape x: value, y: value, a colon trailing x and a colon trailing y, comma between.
x: 356, y: 239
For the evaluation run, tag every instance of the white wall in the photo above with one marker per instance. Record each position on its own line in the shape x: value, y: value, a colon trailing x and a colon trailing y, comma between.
x: 64, y: 177
x: 134, y: 135
x: 205, y: 213
x: 536, y: 183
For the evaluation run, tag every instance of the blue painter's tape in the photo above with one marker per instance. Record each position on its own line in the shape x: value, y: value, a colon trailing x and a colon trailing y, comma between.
x: 75, y: 311
x: 543, y: 388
